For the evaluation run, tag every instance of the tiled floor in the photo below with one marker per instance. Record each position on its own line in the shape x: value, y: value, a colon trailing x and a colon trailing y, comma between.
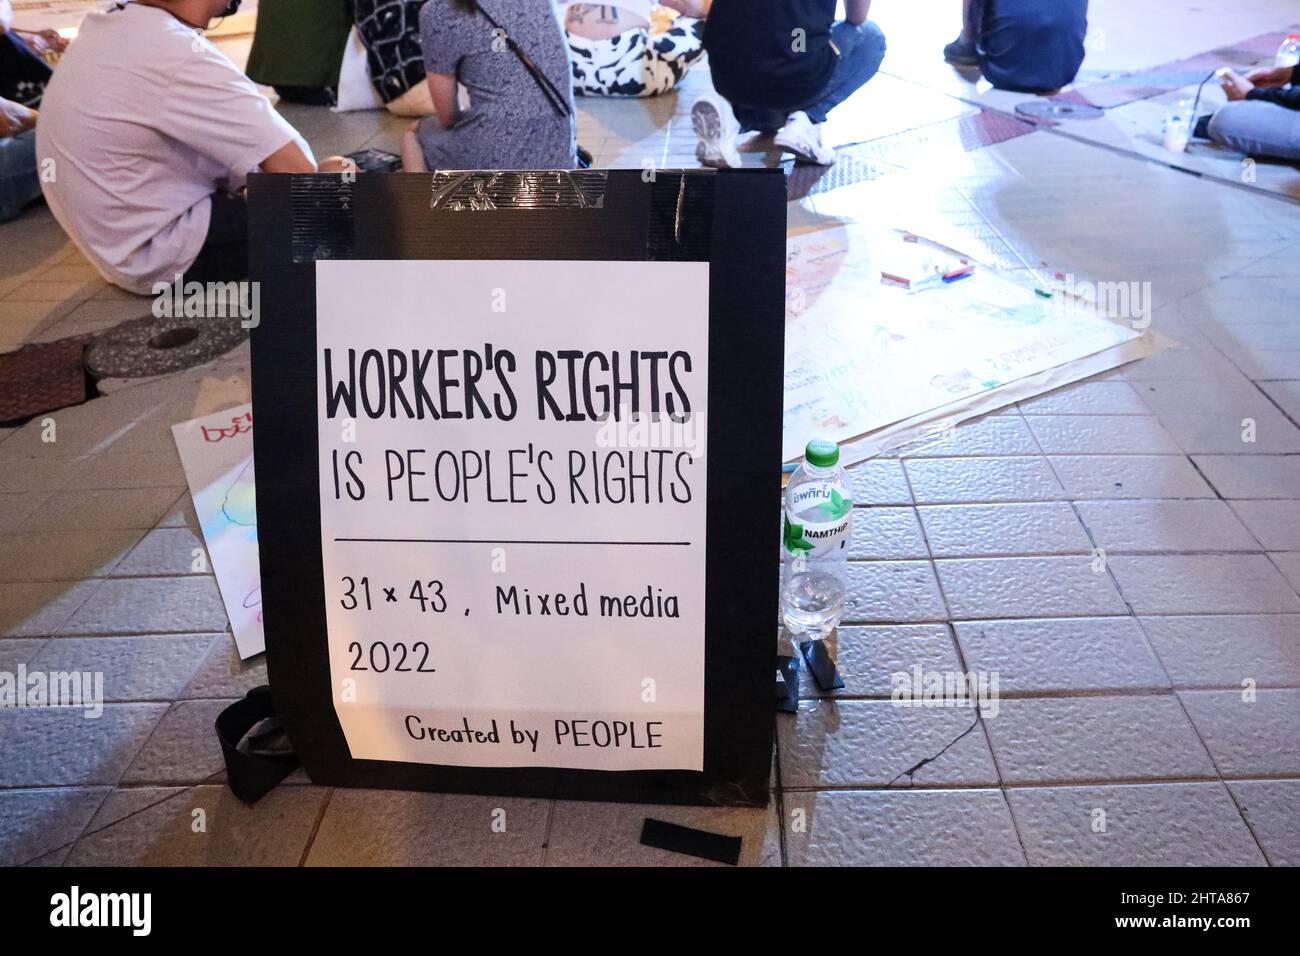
x: 1124, y: 553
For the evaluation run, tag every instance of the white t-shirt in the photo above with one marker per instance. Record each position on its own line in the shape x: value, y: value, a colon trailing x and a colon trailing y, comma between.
x: 144, y: 119
x: 6, y: 16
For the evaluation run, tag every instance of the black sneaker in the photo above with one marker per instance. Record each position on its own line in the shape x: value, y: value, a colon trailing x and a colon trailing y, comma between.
x: 961, y: 53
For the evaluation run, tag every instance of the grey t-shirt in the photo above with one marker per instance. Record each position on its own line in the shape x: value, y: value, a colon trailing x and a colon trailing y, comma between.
x: 510, y: 123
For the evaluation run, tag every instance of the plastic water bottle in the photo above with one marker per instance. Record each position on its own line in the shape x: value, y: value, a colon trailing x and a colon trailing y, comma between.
x: 1178, y: 126
x: 818, y: 522
x: 1288, y: 54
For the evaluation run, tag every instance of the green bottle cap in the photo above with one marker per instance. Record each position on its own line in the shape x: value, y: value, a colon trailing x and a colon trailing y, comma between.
x: 822, y: 453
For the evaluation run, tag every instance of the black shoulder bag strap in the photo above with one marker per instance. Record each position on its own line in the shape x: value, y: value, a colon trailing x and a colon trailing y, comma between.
x: 254, y: 771
x: 559, y: 102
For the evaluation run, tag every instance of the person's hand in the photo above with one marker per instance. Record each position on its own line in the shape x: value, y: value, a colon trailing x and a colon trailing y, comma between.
x: 1270, y: 76
x: 44, y: 42
x: 15, y: 118
x: 336, y: 164
x: 1235, y: 85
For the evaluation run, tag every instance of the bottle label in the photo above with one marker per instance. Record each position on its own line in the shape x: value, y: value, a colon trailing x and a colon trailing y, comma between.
x: 826, y: 529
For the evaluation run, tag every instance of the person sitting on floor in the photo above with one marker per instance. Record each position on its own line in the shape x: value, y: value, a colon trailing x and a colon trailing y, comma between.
x: 1027, y: 46
x: 613, y: 52
x: 1262, y: 117
x: 782, y: 70
x: 24, y: 71
x: 19, y: 183
x: 149, y: 132
x: 511, y: 59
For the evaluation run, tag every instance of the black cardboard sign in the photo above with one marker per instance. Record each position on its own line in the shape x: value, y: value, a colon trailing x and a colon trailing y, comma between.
x: 404, y: 262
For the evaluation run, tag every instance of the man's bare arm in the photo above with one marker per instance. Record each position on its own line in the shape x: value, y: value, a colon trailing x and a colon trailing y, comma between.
x: 856, y: 11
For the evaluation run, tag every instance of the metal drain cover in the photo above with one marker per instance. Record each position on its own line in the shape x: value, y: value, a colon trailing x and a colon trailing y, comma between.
x: 1058, y: 110
x: 152, y: 346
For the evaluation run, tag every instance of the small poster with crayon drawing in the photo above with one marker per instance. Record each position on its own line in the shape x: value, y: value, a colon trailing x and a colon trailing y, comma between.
x: 217, y: 454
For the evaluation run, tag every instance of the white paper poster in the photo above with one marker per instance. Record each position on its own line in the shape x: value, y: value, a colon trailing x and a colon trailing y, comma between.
x: 217, y: 454
x: 512, y: 577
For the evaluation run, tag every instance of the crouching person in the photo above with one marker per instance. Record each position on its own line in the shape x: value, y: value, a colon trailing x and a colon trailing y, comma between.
x: 147, y: 133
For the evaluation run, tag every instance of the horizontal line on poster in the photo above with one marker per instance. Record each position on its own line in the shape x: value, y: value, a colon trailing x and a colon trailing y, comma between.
x: 667, y: 544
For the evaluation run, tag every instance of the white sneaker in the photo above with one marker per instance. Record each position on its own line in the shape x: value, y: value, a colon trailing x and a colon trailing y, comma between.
x: 803, y: 137
x: 717, y: 127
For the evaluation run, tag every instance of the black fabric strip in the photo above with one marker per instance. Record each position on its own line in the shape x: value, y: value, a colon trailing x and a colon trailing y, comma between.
x: 678, y: 839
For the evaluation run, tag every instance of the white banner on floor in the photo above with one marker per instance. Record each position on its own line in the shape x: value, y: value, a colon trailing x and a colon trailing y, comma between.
x: 881, y: 350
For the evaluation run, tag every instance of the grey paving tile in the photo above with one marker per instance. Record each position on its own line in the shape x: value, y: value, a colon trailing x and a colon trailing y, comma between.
x: 1236, y: 398
x: 1091, y: 739
x: 892, y: 591
x: 40, y: 609
x: 60, y: 747
x: 1248, y: 738
x: 101, y: 510
x: 18, y: 650
x: 886, y: 534
x: 403, y: 828
x: 879, y: 481
x: 1129, y: 476
x: 959, y: 480
x: 868, y: 657
x: 183, y: 748
x: 34, y: 823
x: 143, y: 605
x: 900, y: 828
x: 1049, y: 527
x: 1184, y: 364
x: 1061, y: 654
x: 199, y: 826
x: 17, y: 506
x: 1026, y: 587
x: 129, y: 470
x: 62, y: 555
x: 991, y: 435
x: 1287, y: 396
x: 1275, y: 523
x: 1169, y: 824
x: 1252, y: 476
x: 609, y: 834
x: 1222, y: 650
x: 139, y: 667
x: 33, y: 473
x: 1288, y: 562
x: 1272, y: 809
x: 1088, y: 398
x: 223, y: 674
x: 877, y: 743
x: 1101, y: 435
x: 166, y: 551
x: 1202, y: 584
x: 1266, y: 433
x: 1165, y: 525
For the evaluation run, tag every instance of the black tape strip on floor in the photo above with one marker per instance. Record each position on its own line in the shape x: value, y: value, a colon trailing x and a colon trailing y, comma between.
x: 678, y: 839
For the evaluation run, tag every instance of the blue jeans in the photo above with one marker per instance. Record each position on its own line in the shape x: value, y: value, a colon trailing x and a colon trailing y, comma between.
x: 19, y: 183
x: 1258, y: 129
x: 861, y: 46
